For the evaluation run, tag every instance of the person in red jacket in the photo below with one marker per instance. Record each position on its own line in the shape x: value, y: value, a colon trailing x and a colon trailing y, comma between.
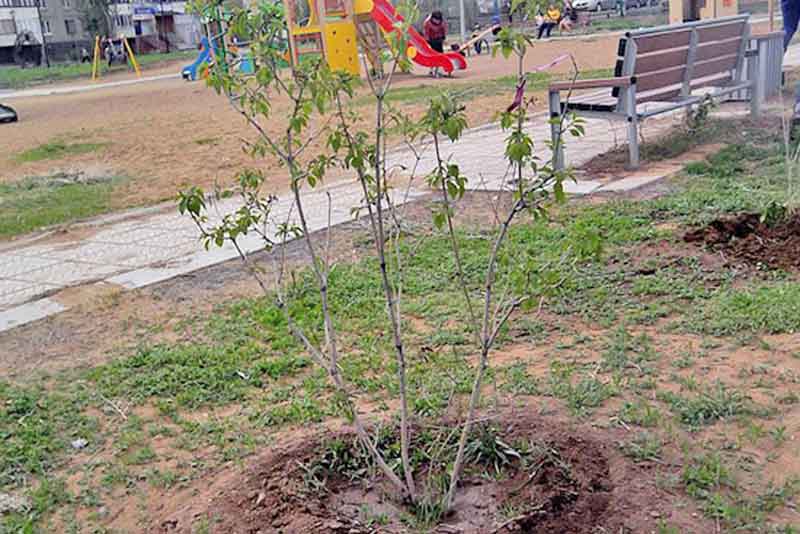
x: 435, y: 30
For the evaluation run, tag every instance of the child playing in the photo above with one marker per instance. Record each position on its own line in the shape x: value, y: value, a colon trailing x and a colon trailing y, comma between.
x: 435, y: 30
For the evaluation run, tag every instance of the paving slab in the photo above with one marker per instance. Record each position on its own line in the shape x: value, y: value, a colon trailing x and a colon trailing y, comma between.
x: 27, y: 313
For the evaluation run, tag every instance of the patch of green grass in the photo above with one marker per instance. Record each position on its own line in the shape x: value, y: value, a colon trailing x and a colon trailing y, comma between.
x: 708, y: 479
x: 194, y: 374
x: 487, y: 448
x: 421, y: 93
x: 518, y: 381
x: 57, y: 150
x: 140, y: 456
x: 747, y: 175
x: 50, y: 494
x: 36, y: 428
x: 705, y: 474
x: 299, y: 410
x: 203, y: 141
x: 644, y: 447
x: 582, y: 393
x: 25, y: 208
x: 772, y: 309
x: 707, y: 406
x: 624, y: 351
x: 640, y: 413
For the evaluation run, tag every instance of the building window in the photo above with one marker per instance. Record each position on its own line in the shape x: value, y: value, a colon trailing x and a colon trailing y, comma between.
x: 43, y: 4
x: 7, y: 27
x: 46, y: 25
x: 67, y: 3
x: 71, y: 26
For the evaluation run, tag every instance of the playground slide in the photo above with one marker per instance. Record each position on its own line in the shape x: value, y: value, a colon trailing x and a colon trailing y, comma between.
x: 385, y: 15
x: 7, y: 114
x: 189, y: 72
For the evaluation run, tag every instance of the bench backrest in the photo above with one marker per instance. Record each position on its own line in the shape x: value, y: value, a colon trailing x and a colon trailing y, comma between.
x: 669, y: 62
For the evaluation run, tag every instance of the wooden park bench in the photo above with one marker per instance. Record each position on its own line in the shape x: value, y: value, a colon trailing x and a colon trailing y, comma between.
x: 663, y: 69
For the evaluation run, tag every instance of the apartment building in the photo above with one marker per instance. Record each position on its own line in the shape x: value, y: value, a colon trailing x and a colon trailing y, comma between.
x: 162, y: 25
x: 64, y: 28
x: 17, y: 17
x: 149, y: 26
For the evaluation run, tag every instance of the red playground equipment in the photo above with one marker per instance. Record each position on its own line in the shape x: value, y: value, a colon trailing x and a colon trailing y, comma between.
x: 335, y: 28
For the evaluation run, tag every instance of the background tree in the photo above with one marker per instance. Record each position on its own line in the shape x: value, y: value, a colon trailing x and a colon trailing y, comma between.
x: 98, y: 16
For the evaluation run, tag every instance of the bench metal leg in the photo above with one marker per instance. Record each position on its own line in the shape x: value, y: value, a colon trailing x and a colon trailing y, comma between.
x: 756, y: 87
x: 555, y: 130
x: 633, y: 127
x: 633, y: 142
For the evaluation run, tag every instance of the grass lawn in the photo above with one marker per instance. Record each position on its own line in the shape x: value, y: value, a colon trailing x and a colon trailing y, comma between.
x: 642, y: 334
x: 56, y: 150
x: 16, y: 78
x: 538, y: 81
x: 30, y: 205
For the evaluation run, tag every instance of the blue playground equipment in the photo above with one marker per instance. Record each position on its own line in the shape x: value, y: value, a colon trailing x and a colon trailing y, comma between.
x: 189, y: 72
x: 7, y: 114
x: 246, y: 64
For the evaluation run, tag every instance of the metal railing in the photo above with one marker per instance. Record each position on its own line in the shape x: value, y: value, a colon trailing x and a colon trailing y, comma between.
x: 768, y: 70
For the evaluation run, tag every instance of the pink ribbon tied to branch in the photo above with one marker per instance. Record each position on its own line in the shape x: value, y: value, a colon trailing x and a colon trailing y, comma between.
x: 520, y: 94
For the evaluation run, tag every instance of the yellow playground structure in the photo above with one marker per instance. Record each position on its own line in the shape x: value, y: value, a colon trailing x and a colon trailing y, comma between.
x: 336, y: 28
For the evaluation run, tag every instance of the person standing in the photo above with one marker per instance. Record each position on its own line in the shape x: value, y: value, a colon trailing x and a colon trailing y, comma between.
x: 435, y: 29
x: 109, y: 51
x: 790, y: 9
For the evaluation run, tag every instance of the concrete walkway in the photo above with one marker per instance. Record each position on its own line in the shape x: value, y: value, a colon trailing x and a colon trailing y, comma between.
x: 153, y: 245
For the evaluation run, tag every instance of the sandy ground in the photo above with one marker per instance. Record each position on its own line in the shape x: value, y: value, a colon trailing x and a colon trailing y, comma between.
x: 166, y: 134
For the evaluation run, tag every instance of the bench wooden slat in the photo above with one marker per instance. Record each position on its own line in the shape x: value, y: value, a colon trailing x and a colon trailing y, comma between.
x: 660, y: 78
x: 708, y: 67
x: 720, y: 32
x: 594, y: 97
x: 721, y: 79
x: 718, y: 48
x: 662, y: 41
x: 622, y: 81
x: 663, y: 95
x: 661, y: 60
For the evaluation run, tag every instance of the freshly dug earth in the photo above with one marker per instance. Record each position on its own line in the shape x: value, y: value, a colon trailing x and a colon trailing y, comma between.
x: 580, y: 483
x: 747, y: 238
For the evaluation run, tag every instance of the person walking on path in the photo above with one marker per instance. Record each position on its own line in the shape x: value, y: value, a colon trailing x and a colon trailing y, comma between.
x: 549, y: 21
x: 435, y: 30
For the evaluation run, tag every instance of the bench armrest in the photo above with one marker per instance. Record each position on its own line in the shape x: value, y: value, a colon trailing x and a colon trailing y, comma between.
x: 623, y: 81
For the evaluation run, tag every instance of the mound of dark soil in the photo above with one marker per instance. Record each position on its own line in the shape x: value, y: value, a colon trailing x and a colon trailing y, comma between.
x: 580, y: 485
x: 746, y: 238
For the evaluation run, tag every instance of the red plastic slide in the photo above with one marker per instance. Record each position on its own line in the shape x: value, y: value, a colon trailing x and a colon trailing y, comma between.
x: 386, y: 16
